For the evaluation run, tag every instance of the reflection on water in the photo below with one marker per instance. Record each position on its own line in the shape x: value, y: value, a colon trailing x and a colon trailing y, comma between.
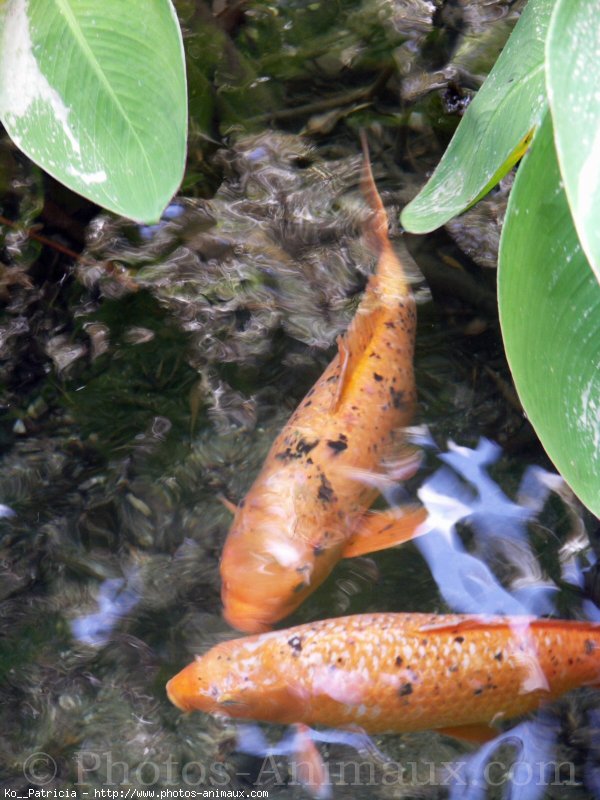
x: 115, y: 599
x: 465, y: 581
x: 529, y: 771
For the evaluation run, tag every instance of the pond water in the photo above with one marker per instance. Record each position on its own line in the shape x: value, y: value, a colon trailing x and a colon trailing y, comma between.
x: 148, y: 379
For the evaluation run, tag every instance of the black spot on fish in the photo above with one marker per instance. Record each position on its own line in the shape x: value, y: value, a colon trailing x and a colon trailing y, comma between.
x: 299, y: 587
x: 459, y: 639
x: 405, y: 689
x: 325, y: 493
x: 309, y: 460
x: 374, y: 355
x: 390, y: 324
x: 296, y: 644
x: 589, y: 646
x: 499, y: 656
x: 338, y: 444
x: 399, y: 661
x: 303, y: 447
x: 398, y: 400
x: 453, y: 668
x: 478, y: 691
x: 377, y: 377
x: 318, y: 550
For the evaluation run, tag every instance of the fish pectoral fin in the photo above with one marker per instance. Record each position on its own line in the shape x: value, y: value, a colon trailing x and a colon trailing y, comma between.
x: 387, y: 477
x: 309, y: 767
x: 227, y: 503
x: 382, y: 529
x: 399, y: 460
x: 475, y: 734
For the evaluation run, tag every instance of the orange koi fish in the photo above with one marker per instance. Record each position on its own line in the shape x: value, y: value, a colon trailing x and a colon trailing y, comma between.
x: 394, y: 672
x: 308, y: 507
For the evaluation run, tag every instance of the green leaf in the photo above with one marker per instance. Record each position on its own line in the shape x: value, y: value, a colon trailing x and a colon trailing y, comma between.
x: 572, y: 74
x: 550, y: 316
x: 94, y: 92
x: 487, y: 143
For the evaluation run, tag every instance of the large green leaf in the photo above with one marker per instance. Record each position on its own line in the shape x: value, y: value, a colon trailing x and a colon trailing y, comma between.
x: 573, y: 76
x: 550, y: 314
x: 490, y: 137
x: 94, y: 92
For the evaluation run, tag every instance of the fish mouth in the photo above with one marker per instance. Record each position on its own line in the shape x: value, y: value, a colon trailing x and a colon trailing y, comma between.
x: 173, y: 695
x: 180, y: 696
x: 182, y: 691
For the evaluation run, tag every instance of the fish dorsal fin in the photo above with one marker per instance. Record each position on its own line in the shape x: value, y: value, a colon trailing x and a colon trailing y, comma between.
x: 353, y: 345
x: 478, y: 623
x: 514, y: 622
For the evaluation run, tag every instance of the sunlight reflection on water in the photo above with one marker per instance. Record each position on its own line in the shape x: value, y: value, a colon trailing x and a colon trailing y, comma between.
x: 465, y: 581
x: 115, y: 599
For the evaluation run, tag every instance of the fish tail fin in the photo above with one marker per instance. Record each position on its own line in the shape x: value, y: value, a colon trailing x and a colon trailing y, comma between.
x: 377, y: 232
x: 389, y: 269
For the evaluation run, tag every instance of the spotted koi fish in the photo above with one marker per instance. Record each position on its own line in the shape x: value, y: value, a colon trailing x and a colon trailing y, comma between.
x: 309, y: 505
x: 394, y: 672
